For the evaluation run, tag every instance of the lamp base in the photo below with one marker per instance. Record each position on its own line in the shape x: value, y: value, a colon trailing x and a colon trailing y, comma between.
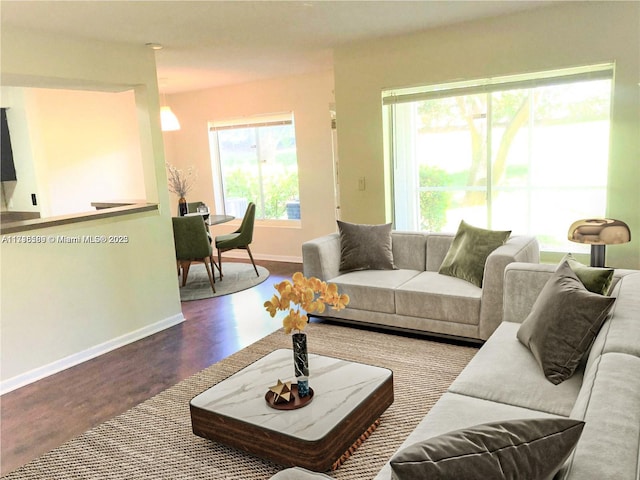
x: 597, y: 255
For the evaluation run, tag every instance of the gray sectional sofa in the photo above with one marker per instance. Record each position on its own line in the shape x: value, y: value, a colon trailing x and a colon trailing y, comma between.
x: 415, y: 297
x: 504, y: 382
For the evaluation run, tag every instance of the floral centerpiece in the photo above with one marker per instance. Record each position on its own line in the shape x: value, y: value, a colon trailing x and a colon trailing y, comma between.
x: 303, y: 295
x: 298, y: 297
x: 180, y: 183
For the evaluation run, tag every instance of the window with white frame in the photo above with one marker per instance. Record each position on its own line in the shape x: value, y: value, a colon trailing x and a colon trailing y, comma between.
x: 525, y: 153
x: 254, y: 160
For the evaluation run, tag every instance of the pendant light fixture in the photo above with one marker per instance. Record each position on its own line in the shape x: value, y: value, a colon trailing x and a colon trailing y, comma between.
x: 168, y: 120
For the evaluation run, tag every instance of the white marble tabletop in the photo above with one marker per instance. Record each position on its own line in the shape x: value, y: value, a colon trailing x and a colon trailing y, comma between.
x: 339, y: 386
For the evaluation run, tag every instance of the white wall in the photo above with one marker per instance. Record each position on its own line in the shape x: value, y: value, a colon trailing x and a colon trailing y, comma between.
x: 552, y: 37
x: 16, y: 195
x: 63, y: 303
x: 309, y: 97
x: 87, y: 148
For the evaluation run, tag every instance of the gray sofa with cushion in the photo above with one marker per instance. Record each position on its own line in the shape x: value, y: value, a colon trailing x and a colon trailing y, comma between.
x: 504, y: 382
x: 414, y: 296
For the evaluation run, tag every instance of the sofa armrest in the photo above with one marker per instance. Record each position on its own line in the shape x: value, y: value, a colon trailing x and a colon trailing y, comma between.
x: 523, y: 282
x: 321, y: 257
x: 516, y: 249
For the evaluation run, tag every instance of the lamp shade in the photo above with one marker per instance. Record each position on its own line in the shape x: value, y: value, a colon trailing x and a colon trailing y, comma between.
x: 599, y: 231
x: 168, y: 120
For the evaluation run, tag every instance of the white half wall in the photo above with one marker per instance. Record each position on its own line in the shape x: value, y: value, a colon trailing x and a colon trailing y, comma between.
x: 63, y: 301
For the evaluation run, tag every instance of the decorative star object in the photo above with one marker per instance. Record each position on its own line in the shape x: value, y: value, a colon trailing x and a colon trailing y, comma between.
x: 281, y: 391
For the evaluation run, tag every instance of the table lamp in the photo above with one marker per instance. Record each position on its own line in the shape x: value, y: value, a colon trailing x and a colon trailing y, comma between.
x: 599, y: 232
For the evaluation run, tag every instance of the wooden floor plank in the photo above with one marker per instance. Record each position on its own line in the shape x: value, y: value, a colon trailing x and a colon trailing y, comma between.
x: 43, y: 415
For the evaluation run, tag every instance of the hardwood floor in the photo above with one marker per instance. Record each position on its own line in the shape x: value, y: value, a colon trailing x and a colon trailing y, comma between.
x: 43, y: 415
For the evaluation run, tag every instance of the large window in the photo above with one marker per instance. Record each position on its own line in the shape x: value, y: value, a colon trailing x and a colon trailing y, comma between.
x: 527, y: 153
x: 254, y: 160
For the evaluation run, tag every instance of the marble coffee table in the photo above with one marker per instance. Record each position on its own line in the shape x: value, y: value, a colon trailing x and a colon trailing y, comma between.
x: 348, y: 398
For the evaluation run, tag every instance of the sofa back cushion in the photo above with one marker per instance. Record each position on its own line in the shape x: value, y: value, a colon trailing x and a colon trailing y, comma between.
x: 621, y: 331
x: 409, y: 250
x: 438, y: 245
x: 523, y: 282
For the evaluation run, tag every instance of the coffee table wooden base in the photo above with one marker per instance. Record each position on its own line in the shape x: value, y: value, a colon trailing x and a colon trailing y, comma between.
x: 352, y: 449
x: 319, y: 456
x: 247, y: 430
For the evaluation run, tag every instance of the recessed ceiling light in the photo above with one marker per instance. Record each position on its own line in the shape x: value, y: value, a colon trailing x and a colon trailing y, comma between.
x: 154, y: 46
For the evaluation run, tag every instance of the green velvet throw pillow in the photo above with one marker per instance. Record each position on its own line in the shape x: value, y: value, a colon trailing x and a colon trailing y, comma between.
x: 595, y: 279
x: 562, y: 324
x: 469, y: 251
x: 365, y: 247
x: 531, y: 449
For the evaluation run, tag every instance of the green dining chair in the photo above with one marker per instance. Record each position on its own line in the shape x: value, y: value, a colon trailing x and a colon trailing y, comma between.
x: 192, y: 244
x: 192, y: 207
x: 240, y: 239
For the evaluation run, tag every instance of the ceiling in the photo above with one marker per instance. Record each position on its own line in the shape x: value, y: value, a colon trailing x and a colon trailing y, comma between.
x: 212, y: 43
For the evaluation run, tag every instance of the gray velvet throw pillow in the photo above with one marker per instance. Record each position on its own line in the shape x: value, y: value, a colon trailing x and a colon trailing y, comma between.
x: 562, y: 324
x: 365, y: 247
x: 469, y: 251
x: 531, y: 449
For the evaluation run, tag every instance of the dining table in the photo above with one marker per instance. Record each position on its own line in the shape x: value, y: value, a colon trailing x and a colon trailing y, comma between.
x: 211, y: 220
x: 218, y: 219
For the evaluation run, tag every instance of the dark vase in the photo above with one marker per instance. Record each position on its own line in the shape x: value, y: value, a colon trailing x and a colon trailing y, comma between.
x: 301, y: 363
x: 182, y: 207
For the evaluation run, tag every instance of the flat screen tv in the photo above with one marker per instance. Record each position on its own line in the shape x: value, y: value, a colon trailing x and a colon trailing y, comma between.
x: 8, y: 170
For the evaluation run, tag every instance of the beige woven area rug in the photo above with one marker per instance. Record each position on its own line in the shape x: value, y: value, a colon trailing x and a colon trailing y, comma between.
x: 154, y: 440
x: 237, y: 277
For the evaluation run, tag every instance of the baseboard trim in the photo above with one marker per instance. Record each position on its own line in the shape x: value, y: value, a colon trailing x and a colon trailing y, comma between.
x: 39, y: 373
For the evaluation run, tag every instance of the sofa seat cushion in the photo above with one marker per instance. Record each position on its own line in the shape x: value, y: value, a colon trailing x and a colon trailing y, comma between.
x: 504, y: 371
x: 372, y: 290
x: 453, y: 412
x: 609, y: 404
x: 440, y: 297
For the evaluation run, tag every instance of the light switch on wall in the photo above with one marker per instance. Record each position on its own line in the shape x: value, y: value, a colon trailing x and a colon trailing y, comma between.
x: 361, y: 184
